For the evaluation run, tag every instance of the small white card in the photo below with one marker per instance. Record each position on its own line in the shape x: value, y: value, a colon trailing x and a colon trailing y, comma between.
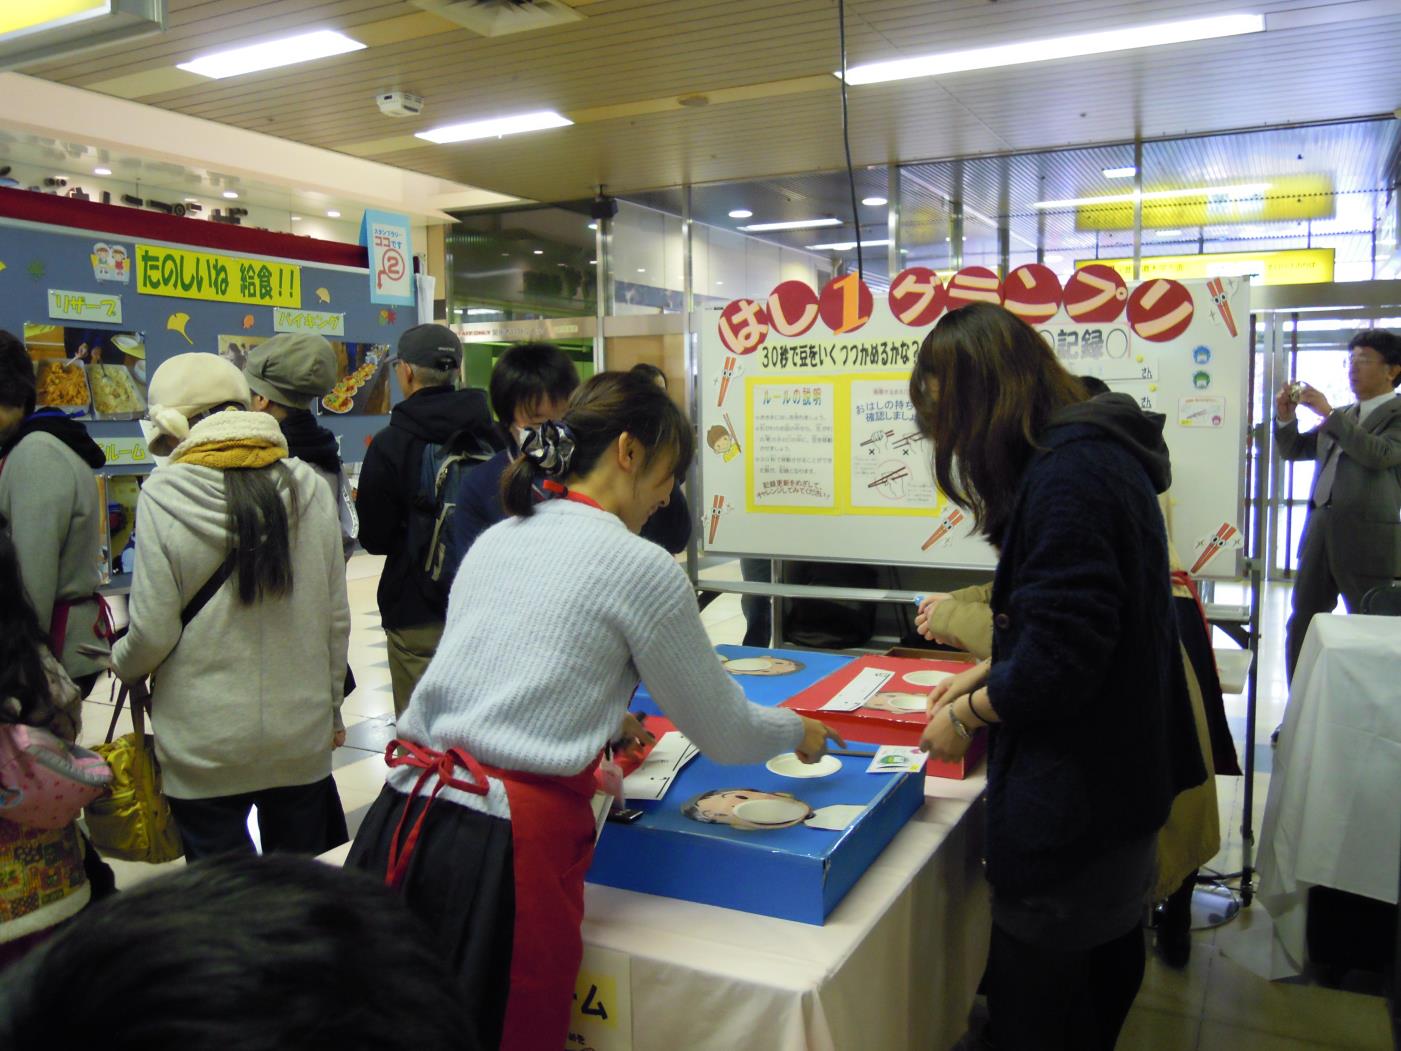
x: 897, y: 759
x: 868, y: 683
x: 651, y: 780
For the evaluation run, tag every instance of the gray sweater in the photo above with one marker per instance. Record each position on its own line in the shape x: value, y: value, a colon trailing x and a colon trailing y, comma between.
x: 50, y: 497
x: 247, y: 697
x: 551, y: 621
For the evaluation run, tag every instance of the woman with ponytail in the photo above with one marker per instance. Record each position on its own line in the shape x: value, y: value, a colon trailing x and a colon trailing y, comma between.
x: 239, y: 600
x: 554, y: 616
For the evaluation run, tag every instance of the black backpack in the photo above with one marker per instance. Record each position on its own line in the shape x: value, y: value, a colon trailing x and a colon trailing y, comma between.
x: 436, y: 544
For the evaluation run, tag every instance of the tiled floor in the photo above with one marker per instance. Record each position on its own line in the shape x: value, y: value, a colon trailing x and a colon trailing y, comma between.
x: 1215, y: 1004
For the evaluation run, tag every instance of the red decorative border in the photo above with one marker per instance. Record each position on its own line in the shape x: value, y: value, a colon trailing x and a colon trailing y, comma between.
x: 157, y: 226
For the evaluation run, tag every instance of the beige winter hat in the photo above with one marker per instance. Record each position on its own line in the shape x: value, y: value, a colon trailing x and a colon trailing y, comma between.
x: 187, y: 386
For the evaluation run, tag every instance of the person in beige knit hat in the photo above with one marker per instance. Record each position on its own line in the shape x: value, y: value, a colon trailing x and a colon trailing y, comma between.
x: 286, y: 375
x: 246, y: 708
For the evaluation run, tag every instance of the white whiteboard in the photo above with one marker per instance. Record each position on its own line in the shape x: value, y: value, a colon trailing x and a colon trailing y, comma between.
x: 809, y: 447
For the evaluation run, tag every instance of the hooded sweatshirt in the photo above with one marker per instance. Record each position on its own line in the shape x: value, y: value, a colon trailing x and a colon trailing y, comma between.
x: 1087, y: 678
x: 245, y: 697
x: 389, y: 487
x: 48, y: 493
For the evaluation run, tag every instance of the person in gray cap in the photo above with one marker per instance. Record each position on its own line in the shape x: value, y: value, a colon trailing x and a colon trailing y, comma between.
x: 388, y: 497
x: 286, y: 375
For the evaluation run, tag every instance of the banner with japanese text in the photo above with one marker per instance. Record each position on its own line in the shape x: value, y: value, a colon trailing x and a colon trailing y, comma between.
x: 165, y: 271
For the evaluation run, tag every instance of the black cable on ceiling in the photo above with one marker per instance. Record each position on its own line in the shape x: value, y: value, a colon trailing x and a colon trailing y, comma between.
x: 846, y: 140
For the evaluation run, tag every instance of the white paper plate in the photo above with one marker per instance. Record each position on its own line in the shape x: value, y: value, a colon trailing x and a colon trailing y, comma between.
x: 789, y: 765
x: 909, y: 702
x: 771, y: 811
x: 748, y: 664
x: 927, y: 678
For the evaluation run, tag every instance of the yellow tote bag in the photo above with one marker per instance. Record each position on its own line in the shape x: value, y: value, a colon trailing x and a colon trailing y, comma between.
x: 133, y: 821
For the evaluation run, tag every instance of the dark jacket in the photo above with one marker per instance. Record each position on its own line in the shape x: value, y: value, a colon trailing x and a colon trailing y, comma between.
x: 1096, y: 736
x: 389, y: 484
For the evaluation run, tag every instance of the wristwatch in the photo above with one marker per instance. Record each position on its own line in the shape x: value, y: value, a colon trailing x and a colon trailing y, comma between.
x: 959, y: 726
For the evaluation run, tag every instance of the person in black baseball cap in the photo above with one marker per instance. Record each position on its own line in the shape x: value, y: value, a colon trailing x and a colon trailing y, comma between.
x: 426, y: 363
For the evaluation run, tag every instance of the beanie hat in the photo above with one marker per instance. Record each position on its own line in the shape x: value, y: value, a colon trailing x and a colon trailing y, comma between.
x: 187, y: 386
x: 292, y: 369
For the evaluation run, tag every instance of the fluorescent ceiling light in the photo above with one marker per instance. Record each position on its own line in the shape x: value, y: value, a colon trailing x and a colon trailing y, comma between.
x: 269, y: 54
x: 842, y: 246
x: 593, y: 226
x: 539, y: 251
x: 495, y: 127
x: 741, y: 213
x: 1119, y: 173
x: 480, y: 310
x: 1248, y: 189
x: 333, y: 214
x: 231, y: 195
x: 1075, y: 46
x: 102, y: 171
x: 796, y: 224
x: 874, y: 202
x: 1169, y: 233
x: 641, y: 270
x: 296, y: 218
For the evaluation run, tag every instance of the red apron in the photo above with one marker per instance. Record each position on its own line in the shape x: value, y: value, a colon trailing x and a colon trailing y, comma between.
x: 552, y: 838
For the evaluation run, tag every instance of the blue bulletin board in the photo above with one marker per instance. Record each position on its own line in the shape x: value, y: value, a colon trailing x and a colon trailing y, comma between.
x: 142, y: 300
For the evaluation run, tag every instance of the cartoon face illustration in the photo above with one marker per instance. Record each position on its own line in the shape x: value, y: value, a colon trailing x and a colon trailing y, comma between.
x: 747, y: 808
x: 1201, y: 380
x: 104, y: 255
x: 896, y: 703
x: 765, y: 665
x: 719, y: 439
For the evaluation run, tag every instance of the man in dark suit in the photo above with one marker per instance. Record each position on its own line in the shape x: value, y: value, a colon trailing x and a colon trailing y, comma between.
x: 1352, y: 537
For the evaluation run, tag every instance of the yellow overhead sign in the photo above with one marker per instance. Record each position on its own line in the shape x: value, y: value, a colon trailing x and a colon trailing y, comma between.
x: 33, y: 15
x: 1280, y: 197
x: 162, y: 271
x: 1298, y: 266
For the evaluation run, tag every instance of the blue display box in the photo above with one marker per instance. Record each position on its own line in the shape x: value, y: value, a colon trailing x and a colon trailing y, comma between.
x: 767, y: 689
x: 795, y: 873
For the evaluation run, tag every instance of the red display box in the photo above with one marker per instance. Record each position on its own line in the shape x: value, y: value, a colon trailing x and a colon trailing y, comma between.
x: 886, y: 698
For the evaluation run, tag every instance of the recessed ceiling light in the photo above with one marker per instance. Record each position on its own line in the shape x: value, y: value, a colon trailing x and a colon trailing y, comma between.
x: 842, y: 246
x: 1076, y: 46
x: 539, y: 251
x: 593, y: 262
x: 494, y: 127
x: 102, y: 171
x: 874, y: 202
x: 333, y: 214
x: 593, y: 226
x: 296, y: 218
x: 1054, y: 258
x: 641, y: 270
x: 231, y: 195
x: 796, y: 224
x: 1119, y: 173
x: 719, y: 282
x: 1243, y: 190
x: 741, y: 213
x: 269, y: 54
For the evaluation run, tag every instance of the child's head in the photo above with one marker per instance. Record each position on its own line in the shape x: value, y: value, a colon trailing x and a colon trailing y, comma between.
x: 719, y: 439
x: 530, y: 384
x: 620, y: 431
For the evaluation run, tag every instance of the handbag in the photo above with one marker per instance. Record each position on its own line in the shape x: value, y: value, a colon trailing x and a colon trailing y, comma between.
x: 44, y: 781
x: 133, y: 821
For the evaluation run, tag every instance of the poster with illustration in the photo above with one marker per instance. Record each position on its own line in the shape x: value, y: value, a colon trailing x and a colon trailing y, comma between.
x: 89, y: 373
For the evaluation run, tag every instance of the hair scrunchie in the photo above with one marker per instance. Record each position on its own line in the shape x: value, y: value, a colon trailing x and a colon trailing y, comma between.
x: 550, y: 447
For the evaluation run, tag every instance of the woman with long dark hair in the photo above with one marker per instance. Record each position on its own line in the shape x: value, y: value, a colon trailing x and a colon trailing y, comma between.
x: 1091, y: 735
x: 44, y: 883
x: 553, y: 617
x: 239, y: 600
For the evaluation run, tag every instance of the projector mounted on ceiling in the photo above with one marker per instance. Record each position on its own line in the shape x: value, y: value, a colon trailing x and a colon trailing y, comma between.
x: 500, y: 17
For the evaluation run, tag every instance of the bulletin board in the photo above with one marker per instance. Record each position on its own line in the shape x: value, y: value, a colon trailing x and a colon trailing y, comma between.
x: 100, y: 311
x: 809, y: 447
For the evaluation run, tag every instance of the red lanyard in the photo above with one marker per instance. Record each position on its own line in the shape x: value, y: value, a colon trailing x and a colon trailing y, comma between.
x: 556, y: 489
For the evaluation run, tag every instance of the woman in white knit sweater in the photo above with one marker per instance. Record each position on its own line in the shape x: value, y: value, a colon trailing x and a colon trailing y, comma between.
x: 246, y: 696
x: 553, y: 616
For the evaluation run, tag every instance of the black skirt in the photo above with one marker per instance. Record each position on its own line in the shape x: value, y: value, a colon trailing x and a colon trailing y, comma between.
x: 461, y: 884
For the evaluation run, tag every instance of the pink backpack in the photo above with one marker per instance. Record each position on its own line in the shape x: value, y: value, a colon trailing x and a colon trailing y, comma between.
x: 44, y: 781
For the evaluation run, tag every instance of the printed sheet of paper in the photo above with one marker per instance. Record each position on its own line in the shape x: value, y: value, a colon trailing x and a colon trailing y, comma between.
x: 794, y: 452
x: 868, y: 683
x: 889, y: 457
x: 651, y: 780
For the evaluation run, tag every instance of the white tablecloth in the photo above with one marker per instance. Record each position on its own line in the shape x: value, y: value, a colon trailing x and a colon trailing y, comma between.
x: 1331, y: 818
x: 895, y: 966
